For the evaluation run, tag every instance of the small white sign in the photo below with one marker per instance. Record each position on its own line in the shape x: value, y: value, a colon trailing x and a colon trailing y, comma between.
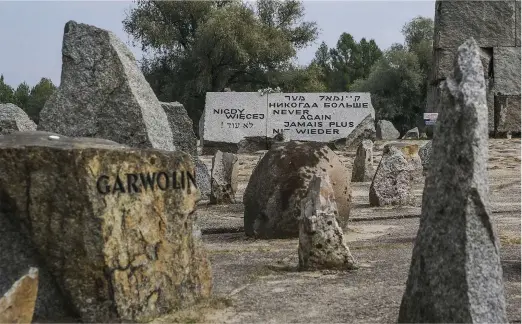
x: 430, y: 116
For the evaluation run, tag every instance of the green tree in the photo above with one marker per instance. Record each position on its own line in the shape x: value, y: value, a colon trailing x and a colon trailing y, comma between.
x: 21, y: 95
x: 398, y: 80
x: 6, y: 91
x: 418, y: 36
x: 199, y: 46
x: 348, y: 61
x: 395, y: 83
x: 37, y: 98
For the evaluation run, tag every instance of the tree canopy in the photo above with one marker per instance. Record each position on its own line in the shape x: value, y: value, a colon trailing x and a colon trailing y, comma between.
x: 192, y: 47
x: 199, y: 46
x: 30, y: 100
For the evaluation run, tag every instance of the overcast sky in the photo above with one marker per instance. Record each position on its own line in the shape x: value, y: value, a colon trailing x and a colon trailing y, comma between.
x: 31, y: 31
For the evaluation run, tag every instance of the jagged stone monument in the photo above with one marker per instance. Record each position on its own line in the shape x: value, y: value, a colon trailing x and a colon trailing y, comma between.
x: 321, y: 239
x: 455, y: 274
x: 103, y: 93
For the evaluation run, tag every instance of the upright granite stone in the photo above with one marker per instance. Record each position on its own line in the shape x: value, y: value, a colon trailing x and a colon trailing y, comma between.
x: 280, y: 181
x: 14, y: 119
x: 363, y: 169
x: 224, y: 178
x: 17, y: 304
x: 103, y: 93
x: 456, y: 274
x: 321, y: 239
x: 183, y: 135
x: 425, y: 155
x: 392, y: 184
x: 202, y: 178
x: 112, y: 224
x: 386, y: 131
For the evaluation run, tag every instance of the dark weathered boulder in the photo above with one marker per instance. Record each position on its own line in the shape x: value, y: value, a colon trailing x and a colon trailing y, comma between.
x: 280, y: 181
x: 103, y: 93
x: 14, y: 119
x: 321, y: 240
x: 456, y: 273
x: 363, y: 169
x: 182, y: 128
x: 386, y: 131
x: 112, y: 225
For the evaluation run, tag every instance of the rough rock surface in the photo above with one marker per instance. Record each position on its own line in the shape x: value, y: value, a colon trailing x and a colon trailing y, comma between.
x: 365, y: 130
x: 103, y: 93
x: 363, y: 169
x: 492, y: 23
x: 456, y: 274
x: 121, y: 236
x: 202, y: 178
x: 279, y: 183
x: 14, y: 119
x: 411, y: 153
x: 412, y: 134
x: 17, y: 305
x: 392, y: 184
x: 223, y: 178
x: 252, y: 144
x: 506, y: 114
x: 18, y: 255
x: 386, y: 131
x: 181, y: 126
x: 425, y: 155
x: 321, y: 239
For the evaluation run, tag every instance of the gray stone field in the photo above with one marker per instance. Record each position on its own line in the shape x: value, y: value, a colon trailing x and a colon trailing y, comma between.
x: 258, y: 280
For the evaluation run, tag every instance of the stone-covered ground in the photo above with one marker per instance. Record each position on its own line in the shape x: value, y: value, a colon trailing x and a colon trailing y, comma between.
x: 255, y: 281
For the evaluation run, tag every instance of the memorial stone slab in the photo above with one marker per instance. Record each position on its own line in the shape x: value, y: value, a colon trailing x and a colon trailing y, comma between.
x: 319, y: 117
x: 231, y: 116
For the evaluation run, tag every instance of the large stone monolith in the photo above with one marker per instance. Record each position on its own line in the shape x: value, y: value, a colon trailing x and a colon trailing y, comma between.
x: 103, y: 93
x: 456, y: 274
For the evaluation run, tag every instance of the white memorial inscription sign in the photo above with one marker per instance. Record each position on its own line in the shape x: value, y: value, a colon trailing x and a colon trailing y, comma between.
x: 318, y: 117
x: 232, y: 116
x: 321, y: 117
